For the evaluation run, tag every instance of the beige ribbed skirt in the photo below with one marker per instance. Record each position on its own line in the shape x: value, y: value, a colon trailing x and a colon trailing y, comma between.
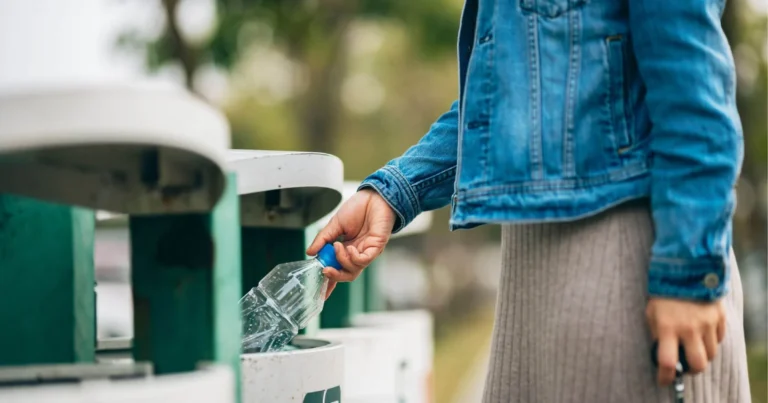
x: 570, y: 318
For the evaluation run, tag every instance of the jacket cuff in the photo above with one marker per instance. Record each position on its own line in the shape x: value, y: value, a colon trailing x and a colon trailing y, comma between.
x: 698, y: 280
x: 392, y: 185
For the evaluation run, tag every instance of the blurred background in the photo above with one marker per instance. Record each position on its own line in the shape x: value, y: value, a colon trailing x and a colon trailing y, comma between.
x: 362, y: 79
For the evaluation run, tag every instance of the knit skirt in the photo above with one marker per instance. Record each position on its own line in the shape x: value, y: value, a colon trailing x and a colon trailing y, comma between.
x: 570, y: 318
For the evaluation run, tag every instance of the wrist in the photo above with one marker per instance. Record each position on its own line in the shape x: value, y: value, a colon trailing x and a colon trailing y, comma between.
x: 396, y: 192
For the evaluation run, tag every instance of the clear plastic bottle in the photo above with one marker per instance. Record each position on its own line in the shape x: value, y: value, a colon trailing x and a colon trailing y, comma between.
x: 286, y: 299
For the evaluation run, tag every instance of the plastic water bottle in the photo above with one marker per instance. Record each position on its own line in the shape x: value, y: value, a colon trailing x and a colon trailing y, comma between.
x: 285, y: 301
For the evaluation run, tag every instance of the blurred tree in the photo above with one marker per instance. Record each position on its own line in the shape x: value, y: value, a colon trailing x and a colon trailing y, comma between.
x: 312, y: 33
x: 746, y: 32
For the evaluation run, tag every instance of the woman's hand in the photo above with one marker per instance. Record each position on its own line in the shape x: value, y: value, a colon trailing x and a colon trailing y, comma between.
x: 366, y: 222
x: 699, y: 326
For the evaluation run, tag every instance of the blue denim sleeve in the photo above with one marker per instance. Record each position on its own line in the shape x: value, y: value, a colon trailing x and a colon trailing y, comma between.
x: 696, y: 143
x: 421, y: 179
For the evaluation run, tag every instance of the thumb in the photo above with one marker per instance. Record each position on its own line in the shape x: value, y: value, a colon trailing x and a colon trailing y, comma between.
x: 326, y: 235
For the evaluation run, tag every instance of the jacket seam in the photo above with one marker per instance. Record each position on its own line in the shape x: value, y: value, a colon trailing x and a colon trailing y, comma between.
x: 543, y: 185
x: 410, y: 192
x: 687, y: 264
x: 537, y: 171
x: 434, y: 179
x: 569, y: 169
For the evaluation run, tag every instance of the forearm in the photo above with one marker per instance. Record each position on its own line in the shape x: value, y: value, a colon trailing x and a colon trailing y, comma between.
x: 686, y: 65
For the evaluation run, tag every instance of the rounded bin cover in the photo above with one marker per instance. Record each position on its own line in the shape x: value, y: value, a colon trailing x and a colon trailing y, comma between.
x: 285, y: 189
x: 312, y: 373
x: 126, y: 148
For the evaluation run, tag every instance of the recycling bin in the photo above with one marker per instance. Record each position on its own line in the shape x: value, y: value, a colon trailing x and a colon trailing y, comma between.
x: 282, y: 194
x: 157, y: 155
x: 276, y: 209
x: 279, y: 193
x: 309, y: 371
x: 415, y: 336
x: 371, y: 363
x: 396, y: 357
x: 101, y: 383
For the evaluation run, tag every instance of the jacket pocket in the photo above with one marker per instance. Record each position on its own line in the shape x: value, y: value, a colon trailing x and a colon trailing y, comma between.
x: 618, y: 92
x: 550, y: 8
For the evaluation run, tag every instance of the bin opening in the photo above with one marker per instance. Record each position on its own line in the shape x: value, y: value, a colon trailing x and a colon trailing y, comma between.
x: 296, y: 345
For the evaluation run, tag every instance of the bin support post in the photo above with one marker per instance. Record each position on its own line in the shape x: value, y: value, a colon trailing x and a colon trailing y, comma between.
x: 186, y: 285
x: 46, y: 271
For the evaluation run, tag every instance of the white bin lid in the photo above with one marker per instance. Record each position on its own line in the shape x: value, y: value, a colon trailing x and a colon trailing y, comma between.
x: 127, y: 148
x: 286, y: 189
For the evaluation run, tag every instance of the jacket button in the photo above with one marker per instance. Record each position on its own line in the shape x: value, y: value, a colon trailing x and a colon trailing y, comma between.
x: 711, y: 281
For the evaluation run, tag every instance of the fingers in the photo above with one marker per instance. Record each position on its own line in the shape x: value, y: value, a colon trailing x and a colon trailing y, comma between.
x: 699, y: 327
x: 710, y: 343
x: 695, y: 352
x: 326, y: 235
x: 339, y: 276
x: 721, y: 329
x: 361, y: 259
x: 667, y: 358
x: 352, y: 261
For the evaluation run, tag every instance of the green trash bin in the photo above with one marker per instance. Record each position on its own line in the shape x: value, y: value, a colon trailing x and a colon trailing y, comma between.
x: 157, y: 154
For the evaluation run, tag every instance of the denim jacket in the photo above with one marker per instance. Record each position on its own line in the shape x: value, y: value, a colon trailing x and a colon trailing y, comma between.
x: 569, y: 107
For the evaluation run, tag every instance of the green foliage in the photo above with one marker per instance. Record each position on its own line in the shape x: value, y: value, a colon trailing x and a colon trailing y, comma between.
x: 431, y: 24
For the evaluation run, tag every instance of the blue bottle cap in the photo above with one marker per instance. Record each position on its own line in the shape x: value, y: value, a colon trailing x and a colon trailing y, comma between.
x: 327, y: 256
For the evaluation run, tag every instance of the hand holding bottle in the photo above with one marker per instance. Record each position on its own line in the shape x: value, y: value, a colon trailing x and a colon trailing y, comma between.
x: 365, y: 221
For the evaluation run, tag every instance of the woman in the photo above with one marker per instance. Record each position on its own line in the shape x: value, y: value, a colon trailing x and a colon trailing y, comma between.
x: 603, y: 136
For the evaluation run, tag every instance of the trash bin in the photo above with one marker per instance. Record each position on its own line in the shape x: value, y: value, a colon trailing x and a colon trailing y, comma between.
x: 130, y: 148
x: 396, y: 356
x: 371, y: 363
x: 414, y: 329
x: 281, y: 194
x: 310, y: 371
x: 99, y: 383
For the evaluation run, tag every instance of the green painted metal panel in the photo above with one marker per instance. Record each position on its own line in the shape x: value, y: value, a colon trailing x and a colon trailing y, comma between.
x: 265, y: 248
x: 346, y: 301
x: 186, y: 285
x: 48, y: 309
x: 227, y: 280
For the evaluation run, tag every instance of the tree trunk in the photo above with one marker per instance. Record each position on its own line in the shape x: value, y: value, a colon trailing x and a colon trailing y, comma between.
x: 319, y: 110
x: 180, y: 50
